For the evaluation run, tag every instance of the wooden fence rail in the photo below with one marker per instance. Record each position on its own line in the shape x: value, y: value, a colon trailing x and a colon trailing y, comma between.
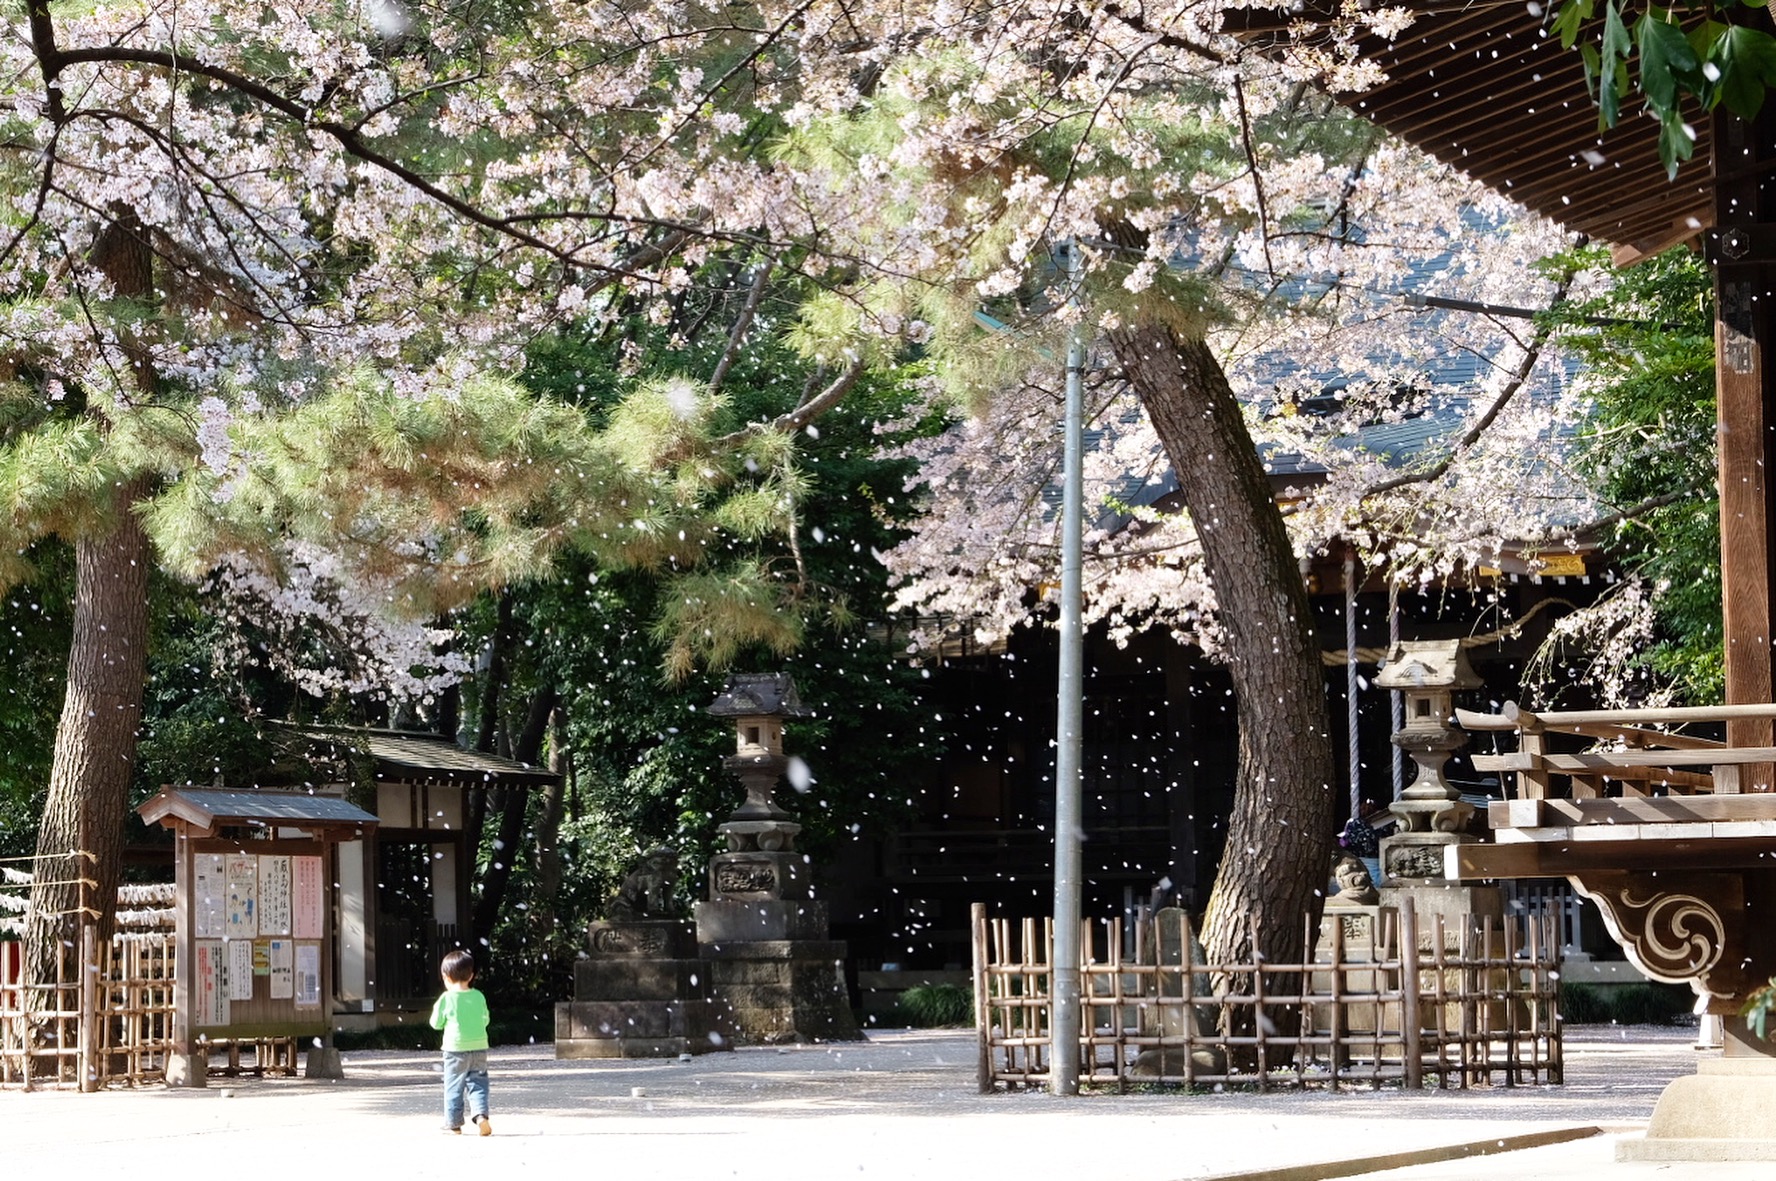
x: 1382, y: 1002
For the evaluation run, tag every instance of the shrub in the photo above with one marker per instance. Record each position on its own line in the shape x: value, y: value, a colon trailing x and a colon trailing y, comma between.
x: 1651, y: 1004
x: 1582, y: 1004
x: 932, y: 1006
x: 1631, y: 1004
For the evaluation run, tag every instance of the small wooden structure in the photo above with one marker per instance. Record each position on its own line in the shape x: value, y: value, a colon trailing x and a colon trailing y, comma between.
x: 254, y: 919
x: 405, y: 894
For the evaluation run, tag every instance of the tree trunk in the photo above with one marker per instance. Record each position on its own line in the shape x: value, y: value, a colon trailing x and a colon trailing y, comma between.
x: 80, y: 841
x: 1279, y: 836
x: 548, y: 831
x: 516, y: 799
x: 79, y: 844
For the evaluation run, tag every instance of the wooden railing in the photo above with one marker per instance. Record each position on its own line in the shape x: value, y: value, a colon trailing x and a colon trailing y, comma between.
x: 1384, y: 1003
x: 1637, y: 752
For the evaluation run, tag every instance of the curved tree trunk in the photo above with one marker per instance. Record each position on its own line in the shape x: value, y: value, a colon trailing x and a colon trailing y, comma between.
x: 80, y: 841
x: 1280, y: 832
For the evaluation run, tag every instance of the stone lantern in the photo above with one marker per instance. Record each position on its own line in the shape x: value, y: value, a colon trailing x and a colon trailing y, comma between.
x: 758, y: 703
x: 762, y: 935
x: 1431, y: 812
x: 1428, y: 673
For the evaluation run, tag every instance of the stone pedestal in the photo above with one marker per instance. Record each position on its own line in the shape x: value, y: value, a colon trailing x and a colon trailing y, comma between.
x: 642, y: 992
x: 1179, y: 1021
x: 789, y: 990
x: 773, y: 964
x: 1353, y: 934
x: 1720, y: 1113
x: 766, y: 942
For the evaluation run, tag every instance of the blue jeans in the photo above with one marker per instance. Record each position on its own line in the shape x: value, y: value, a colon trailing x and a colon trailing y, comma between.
x: 465, y: 1071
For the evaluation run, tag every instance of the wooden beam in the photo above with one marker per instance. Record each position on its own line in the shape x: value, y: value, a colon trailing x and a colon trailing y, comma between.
x: 1564, y: 858
x: 1604, y: 760
x: 1654, y: 810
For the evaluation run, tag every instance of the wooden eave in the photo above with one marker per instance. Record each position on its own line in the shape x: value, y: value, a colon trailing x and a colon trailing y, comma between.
x: 1483, y: 88
x: 205, y: 812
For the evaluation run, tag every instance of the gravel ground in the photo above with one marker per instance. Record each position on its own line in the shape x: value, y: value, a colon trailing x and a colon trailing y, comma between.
x: 902, y: 1105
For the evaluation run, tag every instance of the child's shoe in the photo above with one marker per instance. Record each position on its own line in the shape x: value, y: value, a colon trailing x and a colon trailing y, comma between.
x: 484, y: 1124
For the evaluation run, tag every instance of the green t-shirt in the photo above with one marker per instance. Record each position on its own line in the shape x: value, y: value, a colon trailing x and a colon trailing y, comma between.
x: 462, y: 1015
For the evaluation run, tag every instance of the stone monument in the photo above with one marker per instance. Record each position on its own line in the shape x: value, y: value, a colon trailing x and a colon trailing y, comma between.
x: 763, y: 936
x: 641, y: 991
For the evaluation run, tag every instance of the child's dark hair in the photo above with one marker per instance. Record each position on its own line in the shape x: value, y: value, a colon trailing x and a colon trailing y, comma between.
x: 458, y: 967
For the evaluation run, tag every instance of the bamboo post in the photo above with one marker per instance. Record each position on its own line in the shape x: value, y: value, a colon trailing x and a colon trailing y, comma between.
x: 1410, y: 1021
x: 1335, y: 1051
x: 87, y: 1035
x: 983, y: 1070
x: 1187, y: 941
x: 1512, y: 1030
x: 1258, y: 1021
x: 1465, y: 986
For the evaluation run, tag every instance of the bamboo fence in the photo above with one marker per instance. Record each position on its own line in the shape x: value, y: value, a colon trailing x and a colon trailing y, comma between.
x: 104, y: 1015
x: 1383, y: 1002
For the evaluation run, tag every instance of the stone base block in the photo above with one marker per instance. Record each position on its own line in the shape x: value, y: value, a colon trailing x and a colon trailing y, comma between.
x: 1169, y: 1062
x: 1720, y: 1113
x: 765, y: 921
x: 635, y: 979
x: 785, y: 991
x: 641, y: 1029
x: 642, y: 938
x: 628, y: 1047
x: 323, y: 1062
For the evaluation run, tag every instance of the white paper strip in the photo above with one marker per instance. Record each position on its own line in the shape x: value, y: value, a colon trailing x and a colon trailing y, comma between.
x: 274, y: 895
x: 308, y: 975
x: 240, y: 969
x: 209, y: 993
x: 283, y: 969
x: 307, y: 897
x: 206, y: 895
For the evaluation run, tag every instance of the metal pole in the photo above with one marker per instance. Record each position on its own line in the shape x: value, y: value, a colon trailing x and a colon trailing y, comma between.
x: 1064, y: 1017
x: 1350, y: 679
x: 1396, y: 699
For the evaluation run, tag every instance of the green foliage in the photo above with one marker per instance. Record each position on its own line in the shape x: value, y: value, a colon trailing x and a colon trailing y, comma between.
x: 35, y: 619
x: 1758, y: 1009
x: 1651, y: 1004
x: 646, y: 758
x: 936, y: 1006
x: 1583, y: 1004
x: 1673, y: 55
x: 1649, y: 448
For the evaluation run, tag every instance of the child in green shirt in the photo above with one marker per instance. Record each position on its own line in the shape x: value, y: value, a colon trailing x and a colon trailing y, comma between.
x: 461, y: 1012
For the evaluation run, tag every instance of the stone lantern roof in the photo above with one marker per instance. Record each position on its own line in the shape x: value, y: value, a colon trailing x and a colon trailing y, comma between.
x: 753, y: 695
x: 1427, y: 664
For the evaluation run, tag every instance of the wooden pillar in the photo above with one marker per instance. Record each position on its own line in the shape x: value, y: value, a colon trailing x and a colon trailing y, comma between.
x: 184, y: 1067
x: 1742, y: 250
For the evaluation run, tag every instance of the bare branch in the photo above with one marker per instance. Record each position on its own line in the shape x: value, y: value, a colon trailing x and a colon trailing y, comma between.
x: 742, y: 323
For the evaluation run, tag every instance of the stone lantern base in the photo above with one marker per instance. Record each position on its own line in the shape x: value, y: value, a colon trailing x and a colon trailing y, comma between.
x: 643, y: 992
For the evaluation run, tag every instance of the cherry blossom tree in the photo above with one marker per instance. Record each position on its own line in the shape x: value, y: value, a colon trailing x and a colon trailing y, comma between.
x: 1241, y: 235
